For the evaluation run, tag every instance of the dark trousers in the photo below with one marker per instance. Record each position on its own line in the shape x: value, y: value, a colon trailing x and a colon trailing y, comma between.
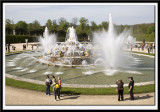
x: 55, y: 93
x: 48, y: 90
x: 58, y: 92
x: 131, y: 95
x: 120, y: 94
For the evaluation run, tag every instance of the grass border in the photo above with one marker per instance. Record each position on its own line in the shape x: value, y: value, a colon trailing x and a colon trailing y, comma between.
x: 143, y: 53
x: 78, y: 91
x: 16, y: 52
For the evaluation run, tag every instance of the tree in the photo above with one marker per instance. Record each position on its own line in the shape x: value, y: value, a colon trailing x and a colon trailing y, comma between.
x: 83, y: 29
x: 94, y: 26
x: 74, y: 21
x: 83, y: 22
x: 105, y: 25
x: 9, y: 26
x: 49, y: 25
x: 54, y: 26
x: 35, y: 28
x: 63, y: 26
x: 61, y: 20
x: 21, y: 28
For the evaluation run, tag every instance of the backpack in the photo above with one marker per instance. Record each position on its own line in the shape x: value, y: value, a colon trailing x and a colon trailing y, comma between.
x: 50, y: 82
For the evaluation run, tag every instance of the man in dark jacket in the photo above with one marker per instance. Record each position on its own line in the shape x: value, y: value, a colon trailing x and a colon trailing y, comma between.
x: 131, y: 87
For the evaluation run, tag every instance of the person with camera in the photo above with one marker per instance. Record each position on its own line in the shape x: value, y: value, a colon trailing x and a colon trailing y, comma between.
x: 120, y: 89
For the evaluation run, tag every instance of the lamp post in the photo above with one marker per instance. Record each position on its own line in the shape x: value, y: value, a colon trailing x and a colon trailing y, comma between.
x: 14, y: 32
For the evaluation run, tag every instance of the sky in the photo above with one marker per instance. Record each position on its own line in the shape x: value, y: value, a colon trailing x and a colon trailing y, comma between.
x: 121, y: 14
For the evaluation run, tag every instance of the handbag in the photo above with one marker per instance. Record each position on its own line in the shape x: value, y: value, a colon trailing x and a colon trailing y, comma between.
x: 116, y: 90
x: 57, y: 85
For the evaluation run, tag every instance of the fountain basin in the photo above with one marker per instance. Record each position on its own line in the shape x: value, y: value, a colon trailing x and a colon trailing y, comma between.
x: 75, y: 74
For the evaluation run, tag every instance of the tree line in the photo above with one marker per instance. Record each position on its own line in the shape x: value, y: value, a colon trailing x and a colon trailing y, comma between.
x: 83, y: 29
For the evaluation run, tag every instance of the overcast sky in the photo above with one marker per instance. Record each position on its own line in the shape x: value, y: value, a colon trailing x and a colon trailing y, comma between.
x: 121, y: 14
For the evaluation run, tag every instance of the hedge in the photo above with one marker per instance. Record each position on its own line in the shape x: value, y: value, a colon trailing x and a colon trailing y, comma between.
x: 20, y: 38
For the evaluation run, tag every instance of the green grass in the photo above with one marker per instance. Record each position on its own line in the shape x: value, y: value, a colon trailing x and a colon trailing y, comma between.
x: 144, y: 53
x: 81, y: 91
x: 16, y: 52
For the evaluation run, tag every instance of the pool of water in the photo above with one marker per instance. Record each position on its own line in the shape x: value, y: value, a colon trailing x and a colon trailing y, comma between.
x: 25, y: 65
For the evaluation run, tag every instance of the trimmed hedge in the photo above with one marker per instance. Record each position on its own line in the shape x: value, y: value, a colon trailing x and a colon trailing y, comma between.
x: 20, y: 38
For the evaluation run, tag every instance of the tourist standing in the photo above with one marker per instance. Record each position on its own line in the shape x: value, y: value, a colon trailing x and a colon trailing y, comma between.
x: 6, y: 47
x: 59, y: 88
x: 37, y: 47
x: 23, y: 46
x: 151, y: 48
x: 148, y: 49
x: 120, y: 89
x: 32, y: 47
x: 9, y: 47
x: 131, y: 47
x: 48, y: 83
x: 138, y: 46
x: 131, y: 87
x: 54, y: 82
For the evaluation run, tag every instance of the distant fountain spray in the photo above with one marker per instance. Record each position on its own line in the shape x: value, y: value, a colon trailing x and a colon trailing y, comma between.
x: 111, y: 47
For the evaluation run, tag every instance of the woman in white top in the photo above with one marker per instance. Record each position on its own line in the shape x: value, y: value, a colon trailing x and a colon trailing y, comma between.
x: 54, y: 82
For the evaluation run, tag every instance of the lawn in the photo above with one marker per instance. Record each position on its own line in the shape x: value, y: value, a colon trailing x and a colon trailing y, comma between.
x: 144, y: 53
x: 80, y: 91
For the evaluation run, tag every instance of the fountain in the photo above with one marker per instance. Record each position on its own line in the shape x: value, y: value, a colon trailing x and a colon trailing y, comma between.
x: 102, y: 61
x: 68, y: 53
x: 108, y: 49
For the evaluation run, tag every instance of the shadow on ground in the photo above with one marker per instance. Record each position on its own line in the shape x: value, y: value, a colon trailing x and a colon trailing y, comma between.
x: 140, y: 97
x: 72, y: 97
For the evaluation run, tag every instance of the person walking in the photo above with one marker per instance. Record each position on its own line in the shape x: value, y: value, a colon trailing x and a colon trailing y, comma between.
x: 120, y: 89
x: 131, y: 87
x: 54, y: 82
x: 59, y: 88
x: 48, y: 83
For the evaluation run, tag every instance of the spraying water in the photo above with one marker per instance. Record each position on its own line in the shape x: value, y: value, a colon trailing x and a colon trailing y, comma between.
x: 111, y: 50
x: 48, y: 41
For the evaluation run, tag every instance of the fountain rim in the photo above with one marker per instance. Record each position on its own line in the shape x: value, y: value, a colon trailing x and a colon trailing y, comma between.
x: 76, y: 85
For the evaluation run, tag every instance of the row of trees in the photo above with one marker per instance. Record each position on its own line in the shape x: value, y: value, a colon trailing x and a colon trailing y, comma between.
x: 83, y: 29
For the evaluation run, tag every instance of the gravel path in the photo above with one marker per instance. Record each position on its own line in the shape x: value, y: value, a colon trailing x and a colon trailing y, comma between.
x: 16, y: 96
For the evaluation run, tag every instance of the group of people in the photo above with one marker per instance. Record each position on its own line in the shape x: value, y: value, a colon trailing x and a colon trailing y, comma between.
x: 149, y: 47
x: 8, y: 47
x: 56, y: 84
x: 120, y: 89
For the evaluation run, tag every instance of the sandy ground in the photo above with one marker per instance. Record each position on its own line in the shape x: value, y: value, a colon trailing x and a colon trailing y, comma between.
x: 19, y: 47
x: 16, y: 96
